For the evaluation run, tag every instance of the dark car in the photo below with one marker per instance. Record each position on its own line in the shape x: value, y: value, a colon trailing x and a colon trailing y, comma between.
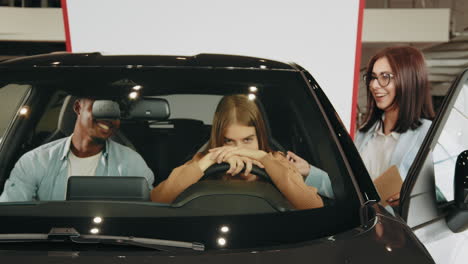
x: 166, y: 106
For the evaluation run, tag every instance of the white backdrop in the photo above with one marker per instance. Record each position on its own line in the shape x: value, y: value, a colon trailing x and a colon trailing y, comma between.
x: 318, y: 35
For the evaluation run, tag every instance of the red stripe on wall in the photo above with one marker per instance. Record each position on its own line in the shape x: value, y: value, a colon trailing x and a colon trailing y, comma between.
x: 66, y: 24
x: 357, y: 66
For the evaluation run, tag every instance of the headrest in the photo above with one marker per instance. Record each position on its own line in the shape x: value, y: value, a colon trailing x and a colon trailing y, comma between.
x: 275, y: 145
x: 67, y: 117
x: 127, y: 188
x: 149, y: 109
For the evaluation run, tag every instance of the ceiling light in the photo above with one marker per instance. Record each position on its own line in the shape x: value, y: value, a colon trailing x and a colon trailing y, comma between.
x: 221, y: 241
x: 224, y: 229
x: 133, y: 95
x: 24, y: 111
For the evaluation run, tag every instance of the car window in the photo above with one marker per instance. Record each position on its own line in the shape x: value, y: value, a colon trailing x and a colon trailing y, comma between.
x: 452, y: 141
x: 295, y: 119
x: 10, y: 98
x: 193, y: 106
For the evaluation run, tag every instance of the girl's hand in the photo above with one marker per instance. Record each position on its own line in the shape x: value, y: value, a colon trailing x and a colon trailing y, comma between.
x: 205, y: 162
x: 237, y: 163
x: 217, y: 154
x: 302, y: 165
x: 222, y: 153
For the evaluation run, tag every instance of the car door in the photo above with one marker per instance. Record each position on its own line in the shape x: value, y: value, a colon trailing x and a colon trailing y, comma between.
x: 427, y: 196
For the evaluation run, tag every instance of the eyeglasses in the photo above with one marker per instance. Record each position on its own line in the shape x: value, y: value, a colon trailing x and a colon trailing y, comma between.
x: 383, y: 79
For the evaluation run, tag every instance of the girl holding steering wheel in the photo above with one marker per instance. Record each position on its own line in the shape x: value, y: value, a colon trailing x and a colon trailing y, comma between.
x: 239, y: 138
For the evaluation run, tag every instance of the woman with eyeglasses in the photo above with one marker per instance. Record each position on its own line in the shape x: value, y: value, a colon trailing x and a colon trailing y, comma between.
x: 399, y: 110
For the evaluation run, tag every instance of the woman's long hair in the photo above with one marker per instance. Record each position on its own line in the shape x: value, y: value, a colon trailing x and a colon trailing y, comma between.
x: 412, y: 97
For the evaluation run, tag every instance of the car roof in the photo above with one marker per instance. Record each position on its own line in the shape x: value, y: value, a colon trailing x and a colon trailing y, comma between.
x: 65, y: 59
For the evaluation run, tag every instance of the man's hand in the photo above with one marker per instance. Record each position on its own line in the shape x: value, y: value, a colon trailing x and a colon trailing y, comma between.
x: 302, y: 165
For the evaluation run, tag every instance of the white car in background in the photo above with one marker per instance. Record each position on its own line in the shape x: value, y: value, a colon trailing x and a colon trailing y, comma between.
x: 435, y: 200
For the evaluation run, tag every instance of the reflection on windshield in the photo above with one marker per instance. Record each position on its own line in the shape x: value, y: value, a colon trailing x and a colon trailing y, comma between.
x: 80, y: 136
x: 10, y: 98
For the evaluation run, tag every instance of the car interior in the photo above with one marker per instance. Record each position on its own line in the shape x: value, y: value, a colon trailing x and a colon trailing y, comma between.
x: 166, y: 142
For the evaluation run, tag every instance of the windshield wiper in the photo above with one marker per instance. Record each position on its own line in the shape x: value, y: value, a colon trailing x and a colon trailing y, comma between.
x: 70, y: 234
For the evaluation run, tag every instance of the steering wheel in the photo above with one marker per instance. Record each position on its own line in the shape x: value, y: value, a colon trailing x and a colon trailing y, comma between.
x: 218, y: 197
x: 223, y: 167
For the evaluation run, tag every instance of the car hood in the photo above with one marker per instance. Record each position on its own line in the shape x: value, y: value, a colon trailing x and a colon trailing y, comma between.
x: 260, y: 238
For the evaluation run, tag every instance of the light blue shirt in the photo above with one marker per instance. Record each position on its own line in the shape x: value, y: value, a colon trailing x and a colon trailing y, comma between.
x: 406, y: 148
x: 320, y: 180
x: 403, y: 156
x: 405, y: 151
x: 42, y: 173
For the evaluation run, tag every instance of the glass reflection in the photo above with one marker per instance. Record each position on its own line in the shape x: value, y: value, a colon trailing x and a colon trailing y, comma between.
x: 224, y: 229
x: 222, y: 241
x: 253, y: 89
x: 24, y: 111
x: 388, y: 248
x: 133, y: 95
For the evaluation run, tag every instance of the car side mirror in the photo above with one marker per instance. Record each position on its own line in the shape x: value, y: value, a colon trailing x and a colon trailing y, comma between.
x: 457, y: 218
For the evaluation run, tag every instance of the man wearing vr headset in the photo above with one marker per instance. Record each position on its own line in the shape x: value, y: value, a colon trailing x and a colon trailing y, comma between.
x: 42, y: 174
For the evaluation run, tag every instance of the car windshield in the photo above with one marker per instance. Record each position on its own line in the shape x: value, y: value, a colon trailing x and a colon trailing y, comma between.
x: 40, y: 110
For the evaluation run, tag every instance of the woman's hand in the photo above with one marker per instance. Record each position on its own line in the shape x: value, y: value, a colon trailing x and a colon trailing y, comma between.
x: 223, y: 153
x: 302, y: 165
x: 394, y: 200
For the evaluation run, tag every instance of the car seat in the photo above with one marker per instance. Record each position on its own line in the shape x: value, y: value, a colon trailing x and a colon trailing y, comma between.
x: 274, y: 144
x: 174, y: 142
